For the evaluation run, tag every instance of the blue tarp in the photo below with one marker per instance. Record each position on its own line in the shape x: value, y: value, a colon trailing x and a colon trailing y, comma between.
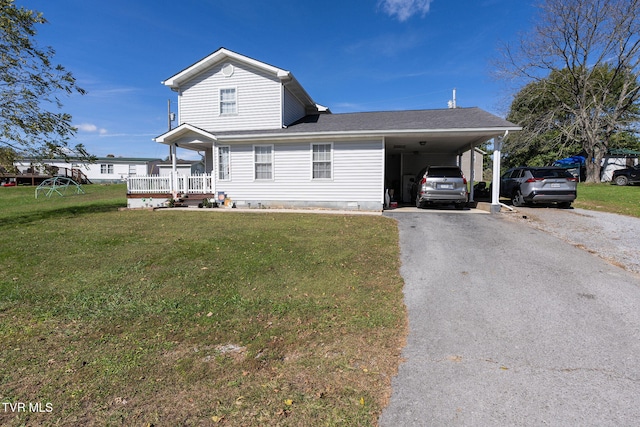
x: 570, y: 162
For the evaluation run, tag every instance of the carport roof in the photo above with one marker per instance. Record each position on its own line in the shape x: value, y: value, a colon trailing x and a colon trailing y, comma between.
x: 387, y: 123
x: 450, y: 118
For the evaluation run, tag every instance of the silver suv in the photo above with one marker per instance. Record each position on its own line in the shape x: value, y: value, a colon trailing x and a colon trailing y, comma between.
x: 526, y: 185
x: 441, y: 185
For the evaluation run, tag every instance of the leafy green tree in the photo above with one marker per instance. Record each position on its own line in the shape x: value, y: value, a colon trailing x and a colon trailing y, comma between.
x: 31, y: 121
x: 580, y: 64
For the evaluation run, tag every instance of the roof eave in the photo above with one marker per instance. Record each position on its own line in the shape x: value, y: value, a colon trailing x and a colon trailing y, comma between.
x: 489, y: 132
x: 175, y: 81
x: 174, y: 134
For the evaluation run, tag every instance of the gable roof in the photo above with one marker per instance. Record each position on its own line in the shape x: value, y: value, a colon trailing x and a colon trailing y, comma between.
x: 216, y: 57
x: 222, y: 54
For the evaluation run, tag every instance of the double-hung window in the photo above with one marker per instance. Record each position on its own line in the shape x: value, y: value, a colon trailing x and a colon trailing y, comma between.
x: 106, y: 169
x: 321, y: 161
x: 228, y: 101
x: 263, y: 161
x: 224, y: 163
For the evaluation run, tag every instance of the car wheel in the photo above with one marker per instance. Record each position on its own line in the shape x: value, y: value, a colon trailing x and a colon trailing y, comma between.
x: 517, y: 199
x: 564, y: 205
x: 622, y: 180
x: 459, y: 206
x: 419, y: 205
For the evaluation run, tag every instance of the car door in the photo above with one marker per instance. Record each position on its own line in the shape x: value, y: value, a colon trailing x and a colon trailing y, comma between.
x: 508, y: 182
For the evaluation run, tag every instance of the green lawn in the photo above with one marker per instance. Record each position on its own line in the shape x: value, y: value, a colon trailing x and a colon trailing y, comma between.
x: 609, y: 198
x: 117, y: 317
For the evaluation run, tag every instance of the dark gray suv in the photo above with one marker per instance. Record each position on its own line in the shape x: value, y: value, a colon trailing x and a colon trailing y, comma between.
x: 441, y: 185
x: 530, y: 185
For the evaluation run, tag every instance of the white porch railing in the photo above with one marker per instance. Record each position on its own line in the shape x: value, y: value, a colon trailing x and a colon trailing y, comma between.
x: 183, y: 184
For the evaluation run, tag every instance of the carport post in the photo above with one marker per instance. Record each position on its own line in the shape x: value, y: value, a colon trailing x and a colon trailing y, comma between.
x: 495, y: 182
x: 472, y: 174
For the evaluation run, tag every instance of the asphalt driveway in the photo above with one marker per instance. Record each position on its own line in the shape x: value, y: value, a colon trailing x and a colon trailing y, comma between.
x: 510, y: 325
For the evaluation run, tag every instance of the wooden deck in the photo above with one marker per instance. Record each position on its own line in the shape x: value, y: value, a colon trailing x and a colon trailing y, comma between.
x: 36, y: 178
x: 24, y: 178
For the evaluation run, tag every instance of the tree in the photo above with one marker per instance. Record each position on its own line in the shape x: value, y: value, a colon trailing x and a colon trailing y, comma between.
x: 593, y: 46
x: 31, y: 123
x: 540, y: 108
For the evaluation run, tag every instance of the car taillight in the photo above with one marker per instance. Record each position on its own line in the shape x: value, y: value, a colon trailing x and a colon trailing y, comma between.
x: 464, y: 180
x: 423, y: 181
x: 534, y: 179
x: 572, y: 179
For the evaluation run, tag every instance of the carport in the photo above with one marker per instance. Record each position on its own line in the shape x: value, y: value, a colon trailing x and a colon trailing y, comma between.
x: 441, y: 137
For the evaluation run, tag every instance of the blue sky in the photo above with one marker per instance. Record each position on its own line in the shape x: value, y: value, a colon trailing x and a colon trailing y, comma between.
x: 355, y: 55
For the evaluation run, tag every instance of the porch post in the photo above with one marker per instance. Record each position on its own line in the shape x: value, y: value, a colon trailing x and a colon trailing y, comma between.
x: 174, y: 172
x: 213, y: 169
x: 472, y: 172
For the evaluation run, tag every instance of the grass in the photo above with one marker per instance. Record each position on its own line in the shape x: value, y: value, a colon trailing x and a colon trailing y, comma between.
x: 115, y: 317
x: 609, y: 198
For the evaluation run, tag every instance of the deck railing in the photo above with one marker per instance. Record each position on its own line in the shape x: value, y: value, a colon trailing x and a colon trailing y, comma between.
x: 163, y: 184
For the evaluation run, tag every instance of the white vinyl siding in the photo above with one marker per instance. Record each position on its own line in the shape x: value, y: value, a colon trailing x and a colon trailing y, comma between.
x: 321, y: 164
x: 357, y: 174
x: 293, y: 109
x: 263, y: 162
x: 258, y: 100
x: 224, y: 163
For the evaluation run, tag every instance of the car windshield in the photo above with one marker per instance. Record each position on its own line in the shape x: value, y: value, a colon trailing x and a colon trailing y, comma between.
x: 550, y: 173
x: 452, y: 172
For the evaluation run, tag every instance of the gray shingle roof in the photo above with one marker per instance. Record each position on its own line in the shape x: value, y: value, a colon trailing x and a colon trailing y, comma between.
x: 381, y: 121
x: 450, y: 118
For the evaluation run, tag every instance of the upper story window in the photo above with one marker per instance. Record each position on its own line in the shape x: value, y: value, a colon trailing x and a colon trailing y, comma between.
x: 263, y: 161
x: 106, y: 169
x: 228, y: 101
x: 321, y: 161
x: 224, y: 163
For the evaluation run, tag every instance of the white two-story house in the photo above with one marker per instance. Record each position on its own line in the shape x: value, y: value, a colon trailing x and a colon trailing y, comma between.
x: 267, y: 143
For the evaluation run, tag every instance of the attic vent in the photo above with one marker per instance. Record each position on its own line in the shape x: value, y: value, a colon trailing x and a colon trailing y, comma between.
x: 227, y: 70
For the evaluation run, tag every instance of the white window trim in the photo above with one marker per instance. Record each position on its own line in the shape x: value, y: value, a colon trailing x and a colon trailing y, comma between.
x: 218, y: 163
x: 220, y: 113
x: 330, y: 144
x: 273, y: 168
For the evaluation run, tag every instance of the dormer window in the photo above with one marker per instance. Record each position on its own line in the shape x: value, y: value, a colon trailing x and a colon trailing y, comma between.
x: 228, y: 102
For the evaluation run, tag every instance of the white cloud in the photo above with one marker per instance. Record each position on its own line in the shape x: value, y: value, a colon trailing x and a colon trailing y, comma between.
x: 405, y: 9
x: 91, y: 128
